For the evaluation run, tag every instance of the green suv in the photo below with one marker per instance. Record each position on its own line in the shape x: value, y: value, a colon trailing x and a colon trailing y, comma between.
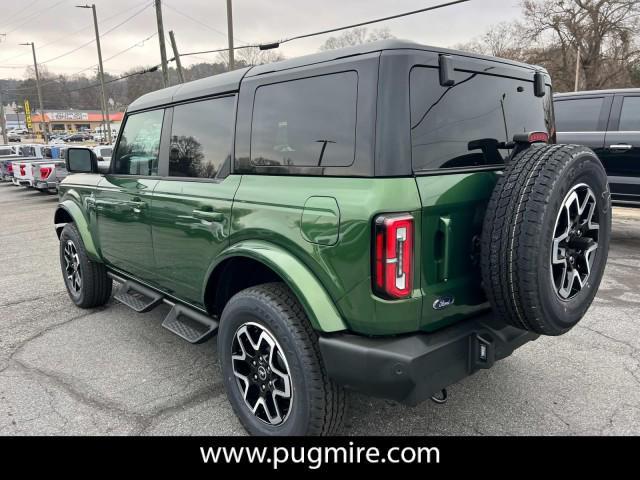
x: 388, y: 218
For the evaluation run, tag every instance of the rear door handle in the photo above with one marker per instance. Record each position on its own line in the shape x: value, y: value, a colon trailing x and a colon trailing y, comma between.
x: 209, y: 216
x: 620, y: 147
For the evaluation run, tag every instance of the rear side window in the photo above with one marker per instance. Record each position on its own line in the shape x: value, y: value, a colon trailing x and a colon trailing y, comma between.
x: 309, y: 122
x: 578, y: 115
x: 461, y: 126
x: 630, y: 115
x: 201, y: 138
x: 139, y: 144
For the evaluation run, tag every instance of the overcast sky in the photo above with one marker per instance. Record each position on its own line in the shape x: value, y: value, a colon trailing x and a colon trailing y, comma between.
x: 57, y: 27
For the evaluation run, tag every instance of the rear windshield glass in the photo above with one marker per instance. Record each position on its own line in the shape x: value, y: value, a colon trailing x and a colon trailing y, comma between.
x: 461, y: 126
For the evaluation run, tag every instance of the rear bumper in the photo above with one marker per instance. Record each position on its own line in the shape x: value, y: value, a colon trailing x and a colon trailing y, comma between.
x: 410, y: 369
x: 46, y: 185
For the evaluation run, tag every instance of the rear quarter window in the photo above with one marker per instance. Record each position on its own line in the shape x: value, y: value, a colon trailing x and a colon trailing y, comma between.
x: 461, y: 126
x: 309, y: 122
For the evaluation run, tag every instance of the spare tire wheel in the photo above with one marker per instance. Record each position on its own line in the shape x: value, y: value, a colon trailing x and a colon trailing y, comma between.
x: 545, y: 238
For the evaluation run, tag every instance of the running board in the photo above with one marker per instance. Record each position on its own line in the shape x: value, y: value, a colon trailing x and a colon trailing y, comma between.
x: 137, y: 297
x: 190, y: 325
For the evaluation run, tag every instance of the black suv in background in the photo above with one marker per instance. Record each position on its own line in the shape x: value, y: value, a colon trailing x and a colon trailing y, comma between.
x: 608, y: 122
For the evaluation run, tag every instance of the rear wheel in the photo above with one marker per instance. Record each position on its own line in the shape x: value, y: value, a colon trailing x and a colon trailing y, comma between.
x: 273, y: 372
x: 546, y: 238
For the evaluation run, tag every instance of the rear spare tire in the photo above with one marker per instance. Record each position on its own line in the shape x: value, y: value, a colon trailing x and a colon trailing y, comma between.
x: 545, y: 238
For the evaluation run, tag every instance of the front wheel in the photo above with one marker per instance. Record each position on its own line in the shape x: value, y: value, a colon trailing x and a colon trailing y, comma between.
x: 87, y: 282
x: 272, y: 368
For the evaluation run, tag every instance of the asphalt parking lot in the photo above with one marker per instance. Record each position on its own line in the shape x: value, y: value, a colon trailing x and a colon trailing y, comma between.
x: 110, y: 371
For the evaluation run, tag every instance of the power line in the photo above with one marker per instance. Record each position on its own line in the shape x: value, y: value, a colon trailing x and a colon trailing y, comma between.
x: 35, y: 15
x: 17, y: 13
x: 113, y: 80
x: 268, y: 46
x: 102, y: 35
x: 195, y: 20
x: 66, y: 36
x: 369, y: 22
x: 86, y: 68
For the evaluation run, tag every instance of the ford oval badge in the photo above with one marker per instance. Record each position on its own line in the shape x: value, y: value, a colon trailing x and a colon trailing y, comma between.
x: 443, y: 302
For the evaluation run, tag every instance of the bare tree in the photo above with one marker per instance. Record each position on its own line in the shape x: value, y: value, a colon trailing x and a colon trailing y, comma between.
x: 501, y: 40
x: 356, y: 36
x: 603, y: 31
x: 246, y: 57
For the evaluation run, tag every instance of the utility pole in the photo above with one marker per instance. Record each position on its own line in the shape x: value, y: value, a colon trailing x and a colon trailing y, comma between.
x: 176, y: 55
x: 230, y: 33
x: 577, y: 84
x: 106, y: 121
x: 43, y: 123
x: 3, y: 123
x: 163, y: 50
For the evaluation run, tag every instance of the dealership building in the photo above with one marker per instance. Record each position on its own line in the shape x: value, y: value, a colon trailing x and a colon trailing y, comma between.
x: 61, y: 121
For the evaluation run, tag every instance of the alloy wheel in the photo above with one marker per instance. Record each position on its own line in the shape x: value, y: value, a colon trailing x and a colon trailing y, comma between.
x: 72, y: 267
x: 575, y: 241
x: 262, y: 373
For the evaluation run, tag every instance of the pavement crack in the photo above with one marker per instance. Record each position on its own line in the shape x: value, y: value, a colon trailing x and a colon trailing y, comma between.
x: 609, y: 337
x: 30, y: 299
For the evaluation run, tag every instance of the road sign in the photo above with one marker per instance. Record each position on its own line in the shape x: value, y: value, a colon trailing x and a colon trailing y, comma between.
x: 27, y: 114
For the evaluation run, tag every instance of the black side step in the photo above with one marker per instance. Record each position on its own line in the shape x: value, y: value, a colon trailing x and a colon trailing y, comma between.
x: 137, y: 297
x: 192, y: 326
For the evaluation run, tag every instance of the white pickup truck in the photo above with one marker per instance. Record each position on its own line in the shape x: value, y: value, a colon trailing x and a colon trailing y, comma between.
x: 47, y: 175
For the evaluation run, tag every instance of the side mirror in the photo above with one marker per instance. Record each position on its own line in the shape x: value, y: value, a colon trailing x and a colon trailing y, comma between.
x: 81, y: 160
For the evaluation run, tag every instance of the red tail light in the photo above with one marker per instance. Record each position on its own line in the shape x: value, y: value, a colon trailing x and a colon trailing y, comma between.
x: 45, y: 172
x: 10, y: 168
x: 531, y: 137
x: 22, y: 166
x: 393, y: 256
x: 537, y: 137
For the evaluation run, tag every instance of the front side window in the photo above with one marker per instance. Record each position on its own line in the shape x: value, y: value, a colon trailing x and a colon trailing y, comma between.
x: 201, y: 138
x: 139, y: 145
x: 309, y: 122
x: 630, y: 115
x: 578, y: 115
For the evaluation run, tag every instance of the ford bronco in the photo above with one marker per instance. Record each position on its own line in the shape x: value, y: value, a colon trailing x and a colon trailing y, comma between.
x: 388, y: 218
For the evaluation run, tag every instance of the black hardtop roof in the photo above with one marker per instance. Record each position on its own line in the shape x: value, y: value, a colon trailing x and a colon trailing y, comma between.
x: 611, y: 91
x: 230, y: 81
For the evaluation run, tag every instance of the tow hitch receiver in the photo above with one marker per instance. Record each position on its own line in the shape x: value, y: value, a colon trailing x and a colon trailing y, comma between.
x: 481, y: 352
